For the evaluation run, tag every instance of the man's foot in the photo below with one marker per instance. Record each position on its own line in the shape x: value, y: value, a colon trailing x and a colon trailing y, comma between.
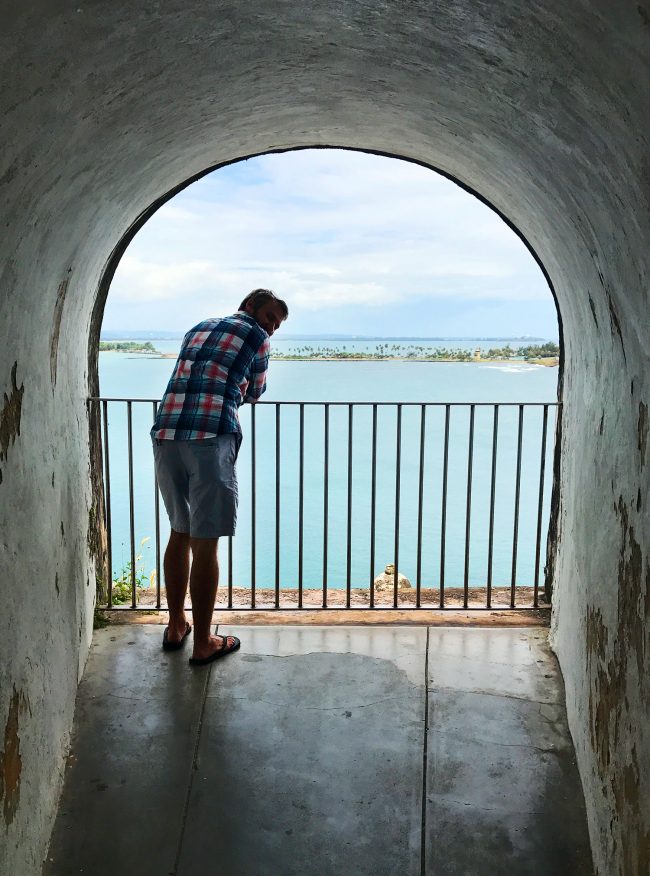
x: 174, y: 636
x: 216, y: 647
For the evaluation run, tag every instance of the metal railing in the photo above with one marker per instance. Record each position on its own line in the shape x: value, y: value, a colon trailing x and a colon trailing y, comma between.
x: 341, y: 484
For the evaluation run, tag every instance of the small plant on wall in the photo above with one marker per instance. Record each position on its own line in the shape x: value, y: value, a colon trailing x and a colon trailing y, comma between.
x: 122, y: 581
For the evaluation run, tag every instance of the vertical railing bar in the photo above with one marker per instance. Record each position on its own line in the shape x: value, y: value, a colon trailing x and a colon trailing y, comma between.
x: 253, y: 532
x: 515, y: 534
x: 493, y: 480
x: 325, y: 498
x: 398, y: 455
x: 443, y: 513
x: 301, y: 490
x: 131, y: 504
x: 468, y: 505
x: 108, y: 515
x: 277, y: 505
x: 230, y: 571
x: 418, y: 579
x: 348, y: 580
x: 134, y: 557
x: 373, y: 505
x: 156, y: 493
x: 540, y: 505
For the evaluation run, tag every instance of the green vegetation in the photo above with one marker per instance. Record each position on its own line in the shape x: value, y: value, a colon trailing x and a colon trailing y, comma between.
x: 539, y: 352
x: 421, y: 353
x: 382, y: 351
x: 127, y: 347
x: 121, y: 590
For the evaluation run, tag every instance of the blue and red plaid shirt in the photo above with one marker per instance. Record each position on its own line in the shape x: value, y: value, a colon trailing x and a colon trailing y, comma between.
x: 222, y: 363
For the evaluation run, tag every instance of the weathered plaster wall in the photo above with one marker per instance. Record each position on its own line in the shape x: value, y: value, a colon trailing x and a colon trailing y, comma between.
x: 542, y: 108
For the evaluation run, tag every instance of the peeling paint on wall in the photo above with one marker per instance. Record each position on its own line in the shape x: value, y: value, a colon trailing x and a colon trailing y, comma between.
x: 596, y: 639
x: 643, y: 430
x: 97, y: 534
x: 611, y: 661
x: 10, y: 416
x: 11, y: 763
x: 98, y: 548
x: 615, y: 322
x: 56, y: 327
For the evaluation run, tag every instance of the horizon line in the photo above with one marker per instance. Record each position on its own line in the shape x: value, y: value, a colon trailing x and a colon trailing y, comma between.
x: 162, y: 334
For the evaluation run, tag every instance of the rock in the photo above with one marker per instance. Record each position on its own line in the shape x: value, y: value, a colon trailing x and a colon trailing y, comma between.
x: 386, y: 581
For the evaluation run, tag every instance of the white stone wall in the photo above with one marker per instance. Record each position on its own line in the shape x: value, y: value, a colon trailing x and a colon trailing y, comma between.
x: 541, y: 108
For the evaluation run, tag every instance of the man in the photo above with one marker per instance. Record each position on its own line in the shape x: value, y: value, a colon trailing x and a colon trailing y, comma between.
x: 196, y: 437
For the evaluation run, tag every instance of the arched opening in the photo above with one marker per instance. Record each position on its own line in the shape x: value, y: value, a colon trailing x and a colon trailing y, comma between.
x: 417, y: 274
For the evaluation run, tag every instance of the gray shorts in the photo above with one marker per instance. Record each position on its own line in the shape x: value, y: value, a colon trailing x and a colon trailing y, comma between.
x: 198, y: 484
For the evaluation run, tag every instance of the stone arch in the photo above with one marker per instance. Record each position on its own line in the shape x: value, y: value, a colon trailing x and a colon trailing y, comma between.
x: 543, y: 109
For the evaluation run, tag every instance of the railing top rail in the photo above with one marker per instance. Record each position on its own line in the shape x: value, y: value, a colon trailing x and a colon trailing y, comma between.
x: 443, y: 404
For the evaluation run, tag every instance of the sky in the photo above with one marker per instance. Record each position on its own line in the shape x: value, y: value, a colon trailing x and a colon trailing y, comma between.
x: 356, y: 244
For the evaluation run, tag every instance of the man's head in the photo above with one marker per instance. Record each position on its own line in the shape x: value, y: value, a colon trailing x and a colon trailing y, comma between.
x: 266, y: 308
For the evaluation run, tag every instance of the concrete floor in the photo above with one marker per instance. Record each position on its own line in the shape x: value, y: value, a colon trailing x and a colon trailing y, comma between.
x: 320, y: 750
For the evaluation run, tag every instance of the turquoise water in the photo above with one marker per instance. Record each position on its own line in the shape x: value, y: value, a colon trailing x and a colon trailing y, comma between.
x: 124, y: 375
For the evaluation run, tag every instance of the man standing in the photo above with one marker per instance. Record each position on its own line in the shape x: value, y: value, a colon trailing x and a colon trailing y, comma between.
x: 196, y: 437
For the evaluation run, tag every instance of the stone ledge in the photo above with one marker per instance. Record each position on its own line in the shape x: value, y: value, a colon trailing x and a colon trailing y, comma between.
x: 350, y: 616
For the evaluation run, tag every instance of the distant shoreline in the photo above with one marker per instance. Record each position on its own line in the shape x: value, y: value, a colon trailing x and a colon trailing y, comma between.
x: 545, y: 362
x: 138, y: 346
x: 549, y: 362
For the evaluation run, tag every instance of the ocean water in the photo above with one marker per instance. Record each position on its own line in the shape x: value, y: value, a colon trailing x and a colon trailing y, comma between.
x: 144, y: 377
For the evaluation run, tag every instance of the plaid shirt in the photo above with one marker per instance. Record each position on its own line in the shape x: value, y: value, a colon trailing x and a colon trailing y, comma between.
x: 222, y: 363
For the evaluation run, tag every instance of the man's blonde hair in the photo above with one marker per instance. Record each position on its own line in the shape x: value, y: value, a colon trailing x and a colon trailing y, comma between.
x: 258, y: 297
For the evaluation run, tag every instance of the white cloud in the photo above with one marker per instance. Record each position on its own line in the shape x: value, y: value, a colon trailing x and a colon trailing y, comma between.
x: 327, y: 230
x: 156, y: 281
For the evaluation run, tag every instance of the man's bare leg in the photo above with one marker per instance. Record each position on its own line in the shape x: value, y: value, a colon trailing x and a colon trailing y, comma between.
x: 204, y: 581
x: 177, y: 573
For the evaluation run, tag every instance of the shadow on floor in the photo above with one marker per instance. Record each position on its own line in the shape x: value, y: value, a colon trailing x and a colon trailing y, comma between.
x: 323, y: 750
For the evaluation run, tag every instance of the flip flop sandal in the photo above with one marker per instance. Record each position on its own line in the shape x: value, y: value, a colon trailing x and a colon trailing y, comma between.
x: 225, y: 649
x: 175, y: 646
